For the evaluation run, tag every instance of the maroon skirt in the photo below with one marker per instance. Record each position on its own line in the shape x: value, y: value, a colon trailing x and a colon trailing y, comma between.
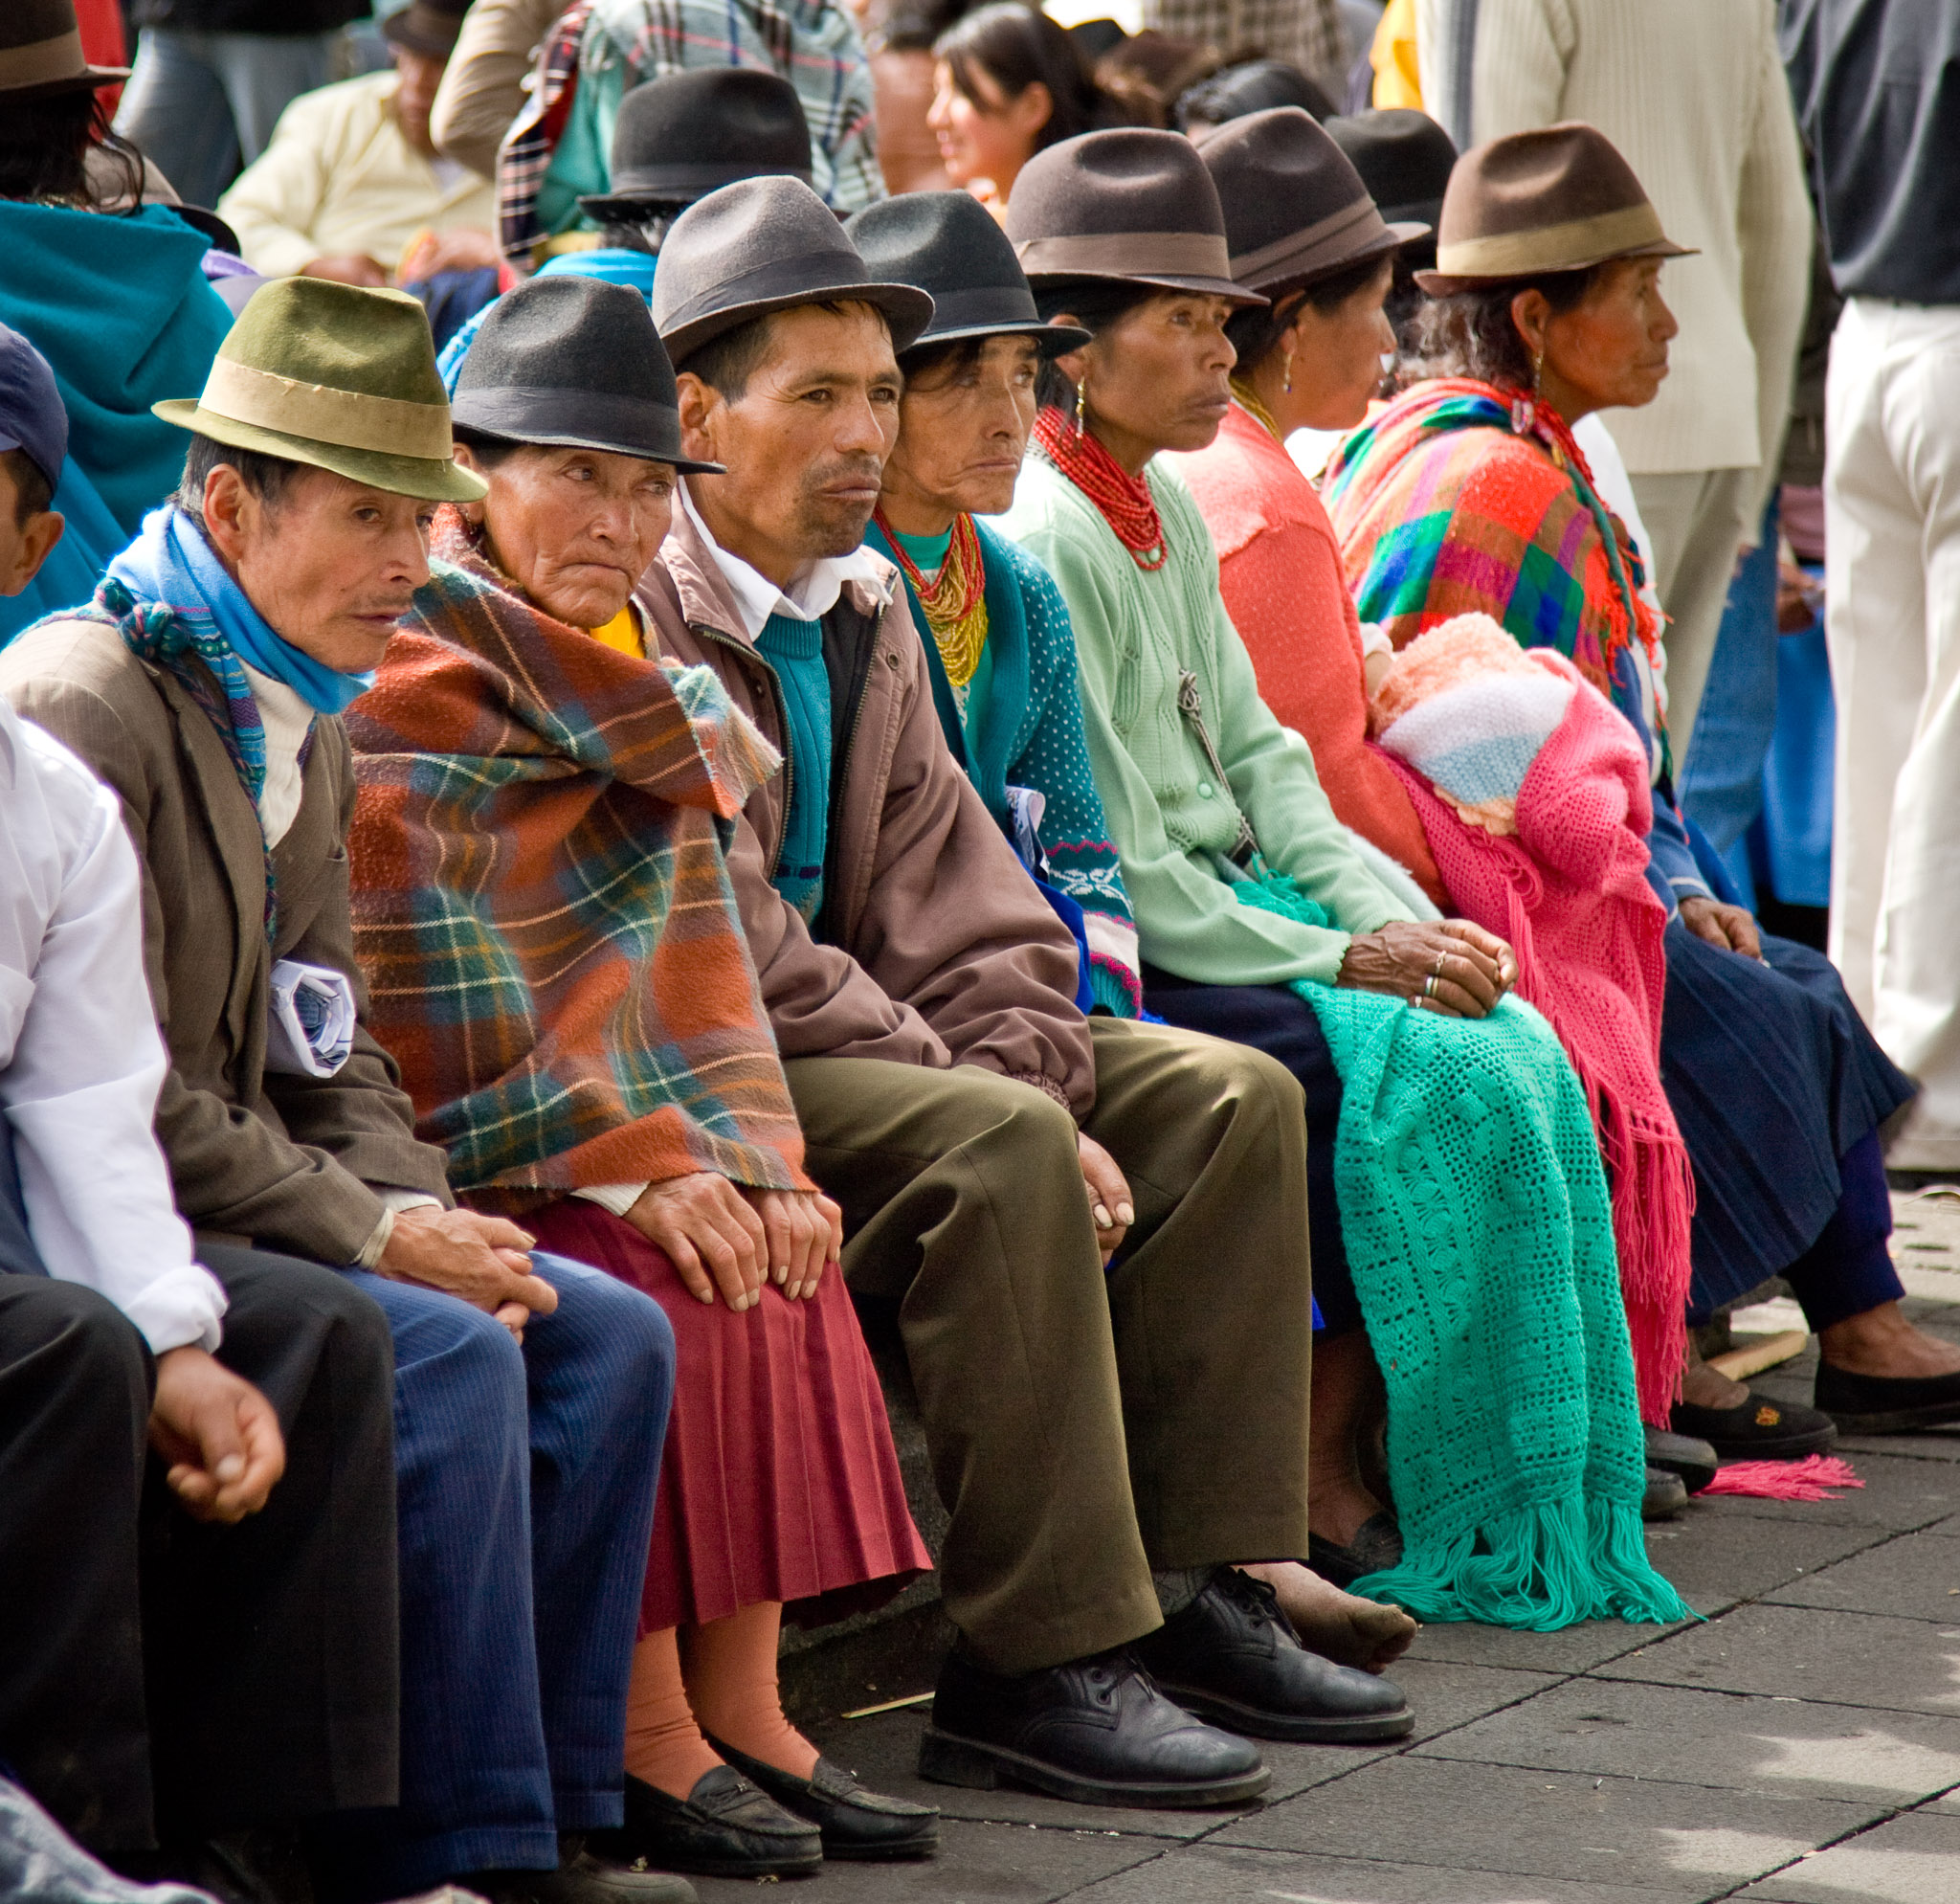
x: 779, y: 1481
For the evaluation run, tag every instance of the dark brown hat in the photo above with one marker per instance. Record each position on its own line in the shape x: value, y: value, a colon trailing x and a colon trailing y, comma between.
x: 1130, y: 204
x: 1532, y: 203
x: 1295, y: 210
x: 40, y: 52
x: 426, y: 26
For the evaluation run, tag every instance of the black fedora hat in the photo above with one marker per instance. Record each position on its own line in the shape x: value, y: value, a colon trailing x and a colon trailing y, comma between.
x: 40, y: 52
x: 1129, y: 205
x: 426, y: 26
x: 763, y: 245
x: 1295, y: 210
x: 1404, y: 158
x: 947, y: 243
x: 573, y: 362
x: 684, y: 135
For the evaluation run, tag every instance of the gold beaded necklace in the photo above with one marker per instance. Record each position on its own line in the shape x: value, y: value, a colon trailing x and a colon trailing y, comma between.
x: 954, y: 601
x: 1248, y: 399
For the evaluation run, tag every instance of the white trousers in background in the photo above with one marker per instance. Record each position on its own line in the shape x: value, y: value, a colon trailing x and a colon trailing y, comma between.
x: 1892, y: 617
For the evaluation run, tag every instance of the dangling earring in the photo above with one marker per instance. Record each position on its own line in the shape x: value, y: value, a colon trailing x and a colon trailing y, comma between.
x: 1288, y: 385
x: 1082, y: 403
x: 1537, y: 371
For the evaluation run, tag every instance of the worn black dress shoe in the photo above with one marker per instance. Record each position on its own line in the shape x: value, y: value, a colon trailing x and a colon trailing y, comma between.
x: 1863, y: 1404
x: 1664, y: 1497
x: 580, y: 1880
x: 1233, y: 1657
x: 1378, y: 1545
x: 854, y: 1822
x: 724, y: 1827
x: 1694, y: 1461
x: 1757, y: 1429
x: 1096, y: 1731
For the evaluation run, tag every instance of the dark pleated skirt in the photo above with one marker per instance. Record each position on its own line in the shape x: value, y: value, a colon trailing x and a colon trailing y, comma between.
x: 1772, y: 1077
x: 779, y: 1481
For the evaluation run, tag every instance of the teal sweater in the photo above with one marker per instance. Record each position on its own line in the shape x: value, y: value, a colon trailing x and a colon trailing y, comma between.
x: 794, y: 649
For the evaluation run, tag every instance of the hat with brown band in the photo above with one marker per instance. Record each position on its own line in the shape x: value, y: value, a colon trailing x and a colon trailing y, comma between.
x: 341, y: 378
x: 40, y: 52
x: 1130, y: 204
x: 1296, y: 209
x: 1533, y: 204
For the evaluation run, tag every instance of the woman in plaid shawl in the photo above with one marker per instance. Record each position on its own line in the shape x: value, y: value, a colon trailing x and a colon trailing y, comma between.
x: 544, y: 911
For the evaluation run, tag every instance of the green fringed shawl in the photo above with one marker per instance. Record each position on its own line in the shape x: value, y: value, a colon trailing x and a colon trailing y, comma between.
x: 1514, y: 1440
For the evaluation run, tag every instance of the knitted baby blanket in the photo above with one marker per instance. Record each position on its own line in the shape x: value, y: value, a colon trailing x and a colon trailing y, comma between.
x: 1533, y: 794
x: 1514, y: 1441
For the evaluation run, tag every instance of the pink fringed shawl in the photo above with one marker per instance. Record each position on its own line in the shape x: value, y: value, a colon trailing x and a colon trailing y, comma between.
x: 1568, y: 890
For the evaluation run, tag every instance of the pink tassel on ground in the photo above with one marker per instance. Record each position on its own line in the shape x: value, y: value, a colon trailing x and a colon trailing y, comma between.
x: 1810, y: 1479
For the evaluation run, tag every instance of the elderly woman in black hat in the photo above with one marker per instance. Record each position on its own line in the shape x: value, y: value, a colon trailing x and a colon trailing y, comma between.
x: 543, y: 900
x: 1457, y: 1198
x: 1471, y: 492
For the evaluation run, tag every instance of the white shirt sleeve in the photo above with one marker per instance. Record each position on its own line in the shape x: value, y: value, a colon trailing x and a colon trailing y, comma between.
x: 81, y: 1087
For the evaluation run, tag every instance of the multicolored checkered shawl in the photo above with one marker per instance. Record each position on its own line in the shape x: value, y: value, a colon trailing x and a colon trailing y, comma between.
x: 1461, y: 497
x: 534, y: 135
x: 541, y: 902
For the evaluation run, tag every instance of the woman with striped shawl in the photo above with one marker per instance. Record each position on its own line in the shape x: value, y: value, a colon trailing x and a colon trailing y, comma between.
x: 543, y: 907
x: 1468, y: 494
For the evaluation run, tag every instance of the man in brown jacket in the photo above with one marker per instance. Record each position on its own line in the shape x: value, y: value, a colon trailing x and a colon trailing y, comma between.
x: 203, y: 685
x: 1094, y: 1232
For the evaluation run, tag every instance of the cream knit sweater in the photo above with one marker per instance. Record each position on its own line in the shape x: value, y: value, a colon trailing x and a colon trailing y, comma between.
x: 1692, y: 92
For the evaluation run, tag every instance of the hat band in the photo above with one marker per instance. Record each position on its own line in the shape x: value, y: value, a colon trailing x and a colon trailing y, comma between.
x: 43, y: 59
x: 1563, y: 247
x: 1127, y: 254
x: 986, y: 304
x: 550, y: 414
x: 1327, y: 240
x: 349, y: 418
x: 811, y: 277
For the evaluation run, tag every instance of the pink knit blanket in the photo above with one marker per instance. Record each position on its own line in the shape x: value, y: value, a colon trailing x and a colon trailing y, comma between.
x: 1568, y: 889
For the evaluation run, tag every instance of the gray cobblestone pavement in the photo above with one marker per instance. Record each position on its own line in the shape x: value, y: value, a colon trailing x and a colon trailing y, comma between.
x: 1801, y: 1745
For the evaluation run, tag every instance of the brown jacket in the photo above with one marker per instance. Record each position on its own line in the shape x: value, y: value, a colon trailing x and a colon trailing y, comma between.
x: 936, y: 948
x: 278, y: 1160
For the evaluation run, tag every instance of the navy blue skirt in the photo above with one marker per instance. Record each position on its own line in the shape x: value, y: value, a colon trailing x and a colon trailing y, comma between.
x: 1772, y: 1077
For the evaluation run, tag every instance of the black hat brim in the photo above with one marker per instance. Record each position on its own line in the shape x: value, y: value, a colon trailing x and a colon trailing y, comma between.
x: 654, y: 192
x: 1203, y: 288
x: 908, y: 311
x: 1050, y: 340
x: 567, y: 419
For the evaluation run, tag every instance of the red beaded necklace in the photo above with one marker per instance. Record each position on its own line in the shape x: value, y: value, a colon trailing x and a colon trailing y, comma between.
x: 1124, y: 499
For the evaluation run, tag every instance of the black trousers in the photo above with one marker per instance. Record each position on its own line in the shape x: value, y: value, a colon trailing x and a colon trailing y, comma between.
x: 163, y: 1677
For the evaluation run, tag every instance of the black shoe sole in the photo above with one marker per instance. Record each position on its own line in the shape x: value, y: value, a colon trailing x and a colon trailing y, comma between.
x: 1793, y: 1448
x: 948, y: 1760
x: 1895, y: 1420
x: 899, y: 1850
x: 673, y: 1859
x: 1290, y: 1729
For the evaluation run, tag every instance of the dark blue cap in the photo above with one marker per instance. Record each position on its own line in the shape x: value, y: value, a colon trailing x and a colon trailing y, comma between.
x: 32, y: 416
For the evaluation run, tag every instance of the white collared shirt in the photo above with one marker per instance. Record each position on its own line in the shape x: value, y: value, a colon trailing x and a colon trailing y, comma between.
x: 285, y: 716
x: 810, y: 595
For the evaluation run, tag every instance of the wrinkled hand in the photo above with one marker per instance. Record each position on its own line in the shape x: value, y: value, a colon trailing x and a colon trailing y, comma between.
x: 804, y: 1231
x: 1473, y: 969
x: 347, y: 267
x: 1730, y: 927
x: 1800, y: 599
x: 462, y: 250
x: 1110, y: 1207
x: 712, y: 1237
x: 480, y: 1259
x: 218, y: 1434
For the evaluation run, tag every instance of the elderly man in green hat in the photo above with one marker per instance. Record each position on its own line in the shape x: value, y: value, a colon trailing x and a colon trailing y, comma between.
x: 205, y: 684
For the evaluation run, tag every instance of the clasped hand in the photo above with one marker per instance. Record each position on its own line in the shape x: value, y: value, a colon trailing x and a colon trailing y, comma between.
x: 1451, y: 967
x: 724, y: 1239
x: 481, y: 1259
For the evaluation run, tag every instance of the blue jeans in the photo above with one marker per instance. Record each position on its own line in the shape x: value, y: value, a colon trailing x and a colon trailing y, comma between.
x: 525, y: 1483
x: 202, y: 105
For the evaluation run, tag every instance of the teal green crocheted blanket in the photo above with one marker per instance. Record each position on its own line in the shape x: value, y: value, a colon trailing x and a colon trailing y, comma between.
x: 1479, y: 1235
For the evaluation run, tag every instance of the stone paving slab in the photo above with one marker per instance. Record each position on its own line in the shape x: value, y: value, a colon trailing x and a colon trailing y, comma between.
x: 1851, y: 1659
x: 1487, y: 1818
x: 1579, y: 1649
x: 1716, y: 1558
x: 1915, y: 1577
x: 1773, y: 1747
x: 1901, y: 1494
x: 1910, y: 1860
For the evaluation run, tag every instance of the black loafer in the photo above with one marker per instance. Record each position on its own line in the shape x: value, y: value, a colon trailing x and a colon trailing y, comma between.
x: 854, y: 1822
x: 1694, y: 1461
x: 1377, y: 1547
x: 1863, y: 1404
x: 1233, y: 1657
x: 1665, y: 1494
x: 583, y: 1880
x: 1096, y: 1731
x: 724, y: 1827
x: 1757, y: 1429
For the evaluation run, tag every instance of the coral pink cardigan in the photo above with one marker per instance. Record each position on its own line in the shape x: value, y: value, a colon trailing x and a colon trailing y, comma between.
x: 1279, y: 569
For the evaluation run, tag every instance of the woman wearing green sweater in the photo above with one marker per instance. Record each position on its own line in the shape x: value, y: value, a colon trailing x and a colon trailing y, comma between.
x: 1460, y: 1212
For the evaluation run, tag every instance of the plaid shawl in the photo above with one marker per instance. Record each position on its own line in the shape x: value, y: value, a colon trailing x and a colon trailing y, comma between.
x: 534, y: 134
x: 1459, y: 497
x: 542, y: 904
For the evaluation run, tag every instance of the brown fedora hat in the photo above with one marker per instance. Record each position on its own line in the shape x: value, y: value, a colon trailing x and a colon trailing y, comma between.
x: 1296, y: 209
x: 1532, y: 203
x: 1130, y: 204
x: 40, y: 52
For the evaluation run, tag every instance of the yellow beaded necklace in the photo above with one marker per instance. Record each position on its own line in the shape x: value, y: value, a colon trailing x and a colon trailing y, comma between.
x: 954, y: 601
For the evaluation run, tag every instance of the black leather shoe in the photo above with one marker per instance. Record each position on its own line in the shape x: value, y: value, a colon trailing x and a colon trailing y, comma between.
x: 1694, y: 1461
x: 724, y: 1827
x: 1757, y: 1429
x: 1863, y: 1404
x: 1665, y: 1494
x: 1096, y: 1731
x: 1376, y: 1547
x: 1233, y: 1657
x: 854, y: 1822
x: 580, y: 1880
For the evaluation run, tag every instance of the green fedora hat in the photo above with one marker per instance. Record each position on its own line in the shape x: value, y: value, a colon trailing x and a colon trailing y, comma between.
x: 335, y: 376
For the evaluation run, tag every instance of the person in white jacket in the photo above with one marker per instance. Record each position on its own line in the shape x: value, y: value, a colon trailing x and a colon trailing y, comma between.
x: 235, y: 1428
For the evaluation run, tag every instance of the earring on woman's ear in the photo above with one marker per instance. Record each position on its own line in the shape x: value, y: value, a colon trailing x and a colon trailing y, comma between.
x: 1289, y: 386
x: 1537, y: 371
x: 1082, y: 403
